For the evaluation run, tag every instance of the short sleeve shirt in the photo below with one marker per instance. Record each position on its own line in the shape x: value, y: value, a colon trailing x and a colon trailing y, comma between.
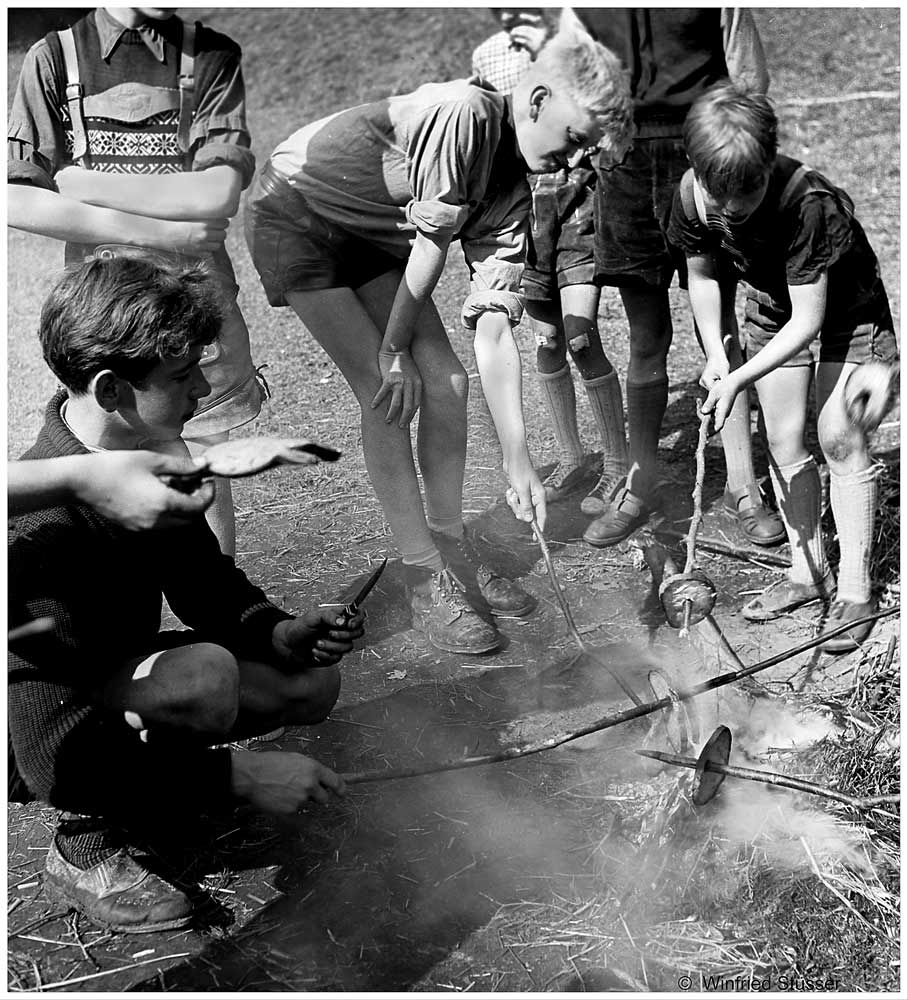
x: 794, y: 243
x: 36, y: 147
x: 442, y: 160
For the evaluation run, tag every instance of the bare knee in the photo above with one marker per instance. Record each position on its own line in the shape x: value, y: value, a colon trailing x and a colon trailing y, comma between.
x: 840, y: 442
x: 208, y: 688
x: 460, y: 383
x: 316, y: 693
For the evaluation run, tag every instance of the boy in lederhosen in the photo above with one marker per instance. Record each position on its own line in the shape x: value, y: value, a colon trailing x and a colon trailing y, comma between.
x: 128, y: 134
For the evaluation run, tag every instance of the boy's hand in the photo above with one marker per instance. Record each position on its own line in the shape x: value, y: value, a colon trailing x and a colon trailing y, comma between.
x: 198, y: 236
x: 721, y: 398
x: 317, y: 639
x: 526, y: 494
x: 126, y: 487
x: 282, y: 783
x: 714, y: 370
x: 400, y: 379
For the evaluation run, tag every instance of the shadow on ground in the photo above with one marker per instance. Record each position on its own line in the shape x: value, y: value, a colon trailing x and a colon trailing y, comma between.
x: 381, y: 886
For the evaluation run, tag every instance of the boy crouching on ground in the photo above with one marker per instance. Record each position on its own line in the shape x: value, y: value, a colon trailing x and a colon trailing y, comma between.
x: 112, y: 720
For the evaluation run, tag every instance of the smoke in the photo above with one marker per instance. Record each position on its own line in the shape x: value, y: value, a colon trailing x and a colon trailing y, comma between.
x: 777, y: 824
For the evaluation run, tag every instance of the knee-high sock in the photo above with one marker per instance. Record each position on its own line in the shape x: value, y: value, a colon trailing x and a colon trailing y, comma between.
x: 798, y: 491
x: 645, y: 409
x: 561, y: 402
x: 739, y: 466
x: 605, y: 399
x: 854, y: 501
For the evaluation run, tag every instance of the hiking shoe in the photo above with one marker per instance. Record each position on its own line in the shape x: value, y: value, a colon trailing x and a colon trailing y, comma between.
x: 441, y: 612
x: 783, y: 596
x: 602, y: 494
x: 563, y: 480
x: 842, y: 612
x: 117, y: 893
x: 625, y: 514
x: 503, y: 596
x: 757, y: 522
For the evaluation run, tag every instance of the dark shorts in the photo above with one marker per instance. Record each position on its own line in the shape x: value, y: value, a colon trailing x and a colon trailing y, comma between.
x: 296, y: 250
x: 869, y: 336
x: 560, y: 246
x: 633, y: 207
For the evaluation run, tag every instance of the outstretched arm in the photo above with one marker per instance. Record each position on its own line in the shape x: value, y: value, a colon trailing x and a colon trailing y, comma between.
x: 123, y: 486
x: 498, y: 361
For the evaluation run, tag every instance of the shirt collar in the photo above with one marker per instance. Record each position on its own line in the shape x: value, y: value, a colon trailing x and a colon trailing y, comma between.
x: 110, y: 31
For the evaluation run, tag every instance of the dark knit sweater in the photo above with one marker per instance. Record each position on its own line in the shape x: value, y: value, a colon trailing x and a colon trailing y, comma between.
x: 103, y: 587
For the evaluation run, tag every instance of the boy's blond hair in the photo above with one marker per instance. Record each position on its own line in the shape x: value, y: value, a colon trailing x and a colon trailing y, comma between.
x: 593, y: 76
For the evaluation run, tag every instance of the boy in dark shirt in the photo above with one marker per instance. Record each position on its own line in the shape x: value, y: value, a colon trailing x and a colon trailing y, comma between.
x: 111, y: 720
x: 816, y: 306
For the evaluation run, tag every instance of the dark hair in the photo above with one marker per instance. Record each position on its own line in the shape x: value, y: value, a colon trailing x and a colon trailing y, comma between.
x: 731, y: 137
x: 127, y: 314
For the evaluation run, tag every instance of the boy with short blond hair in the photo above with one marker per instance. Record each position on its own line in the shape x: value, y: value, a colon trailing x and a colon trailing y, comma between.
x: 110, y: 719
x: 816, y: 309
x: 349, y: 224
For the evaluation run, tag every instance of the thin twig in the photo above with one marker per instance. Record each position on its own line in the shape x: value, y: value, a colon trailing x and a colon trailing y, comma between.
x: 109, y: 972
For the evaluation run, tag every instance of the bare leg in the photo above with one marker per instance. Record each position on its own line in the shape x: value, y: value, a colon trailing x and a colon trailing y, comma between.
x: 442, y: 429
x: 339, y: 321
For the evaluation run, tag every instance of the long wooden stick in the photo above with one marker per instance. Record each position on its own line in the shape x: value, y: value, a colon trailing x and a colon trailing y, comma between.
x: 569, y: 618
x: 608, y: 721
x: 772, y: 778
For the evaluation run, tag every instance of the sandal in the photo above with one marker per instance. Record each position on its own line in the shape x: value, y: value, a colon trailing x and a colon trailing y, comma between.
x: 783, y: 596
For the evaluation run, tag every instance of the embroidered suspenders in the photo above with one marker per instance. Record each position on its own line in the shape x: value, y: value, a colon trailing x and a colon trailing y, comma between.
x: 75, y: 92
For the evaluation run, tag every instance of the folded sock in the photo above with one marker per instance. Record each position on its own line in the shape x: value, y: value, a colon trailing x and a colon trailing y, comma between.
x: 561, y: 403
x: 605, y: 399
x: 429, y: 558
x: 798, y: 492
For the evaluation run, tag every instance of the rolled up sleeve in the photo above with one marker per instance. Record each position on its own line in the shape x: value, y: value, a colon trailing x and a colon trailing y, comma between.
x: 448, y: 164
x: 495, y: 251
x: 219, y: 134
x: 35, y: 144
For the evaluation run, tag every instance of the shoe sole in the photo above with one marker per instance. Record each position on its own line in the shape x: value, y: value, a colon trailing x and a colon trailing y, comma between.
x: 604, y: 543
x: 460, y: 650
x: 58, y: 894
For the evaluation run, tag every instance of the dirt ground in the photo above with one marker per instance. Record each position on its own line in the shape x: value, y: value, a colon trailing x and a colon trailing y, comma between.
x: 579, y: 869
